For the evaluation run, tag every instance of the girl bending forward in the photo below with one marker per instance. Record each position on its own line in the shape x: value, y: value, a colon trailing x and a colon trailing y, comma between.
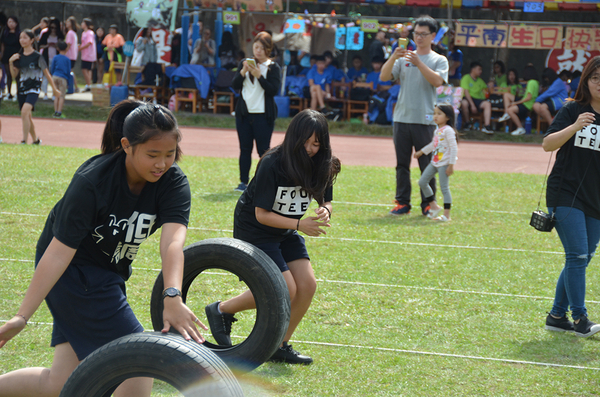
x: 444, y: 150
x: 269, y: 215
x: 114, y: 202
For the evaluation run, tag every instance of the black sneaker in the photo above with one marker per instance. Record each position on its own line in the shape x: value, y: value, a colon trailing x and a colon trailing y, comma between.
x: 426, y: 211
x: 559, y: 324
x: 286, y: 354
x: 585, y: 327
x: 220, y: 324
x: 241, y: 187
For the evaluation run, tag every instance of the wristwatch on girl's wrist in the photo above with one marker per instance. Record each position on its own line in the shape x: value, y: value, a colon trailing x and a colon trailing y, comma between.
x: 171, y: 292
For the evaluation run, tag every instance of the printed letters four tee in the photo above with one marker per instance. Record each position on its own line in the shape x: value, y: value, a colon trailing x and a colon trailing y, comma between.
x: 578, y: 154
x: 100, y: 217
x: 272, y: 191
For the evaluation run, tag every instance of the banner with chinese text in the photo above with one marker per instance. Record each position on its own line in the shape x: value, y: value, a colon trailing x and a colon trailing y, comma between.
x: 481, y: 35
x: 525, y: 36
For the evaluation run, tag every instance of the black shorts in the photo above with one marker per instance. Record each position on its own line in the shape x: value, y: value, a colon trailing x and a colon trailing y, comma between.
x: 550, y: 103
x: 523, y: 111
x: 89, y: 307
x: 478, y: 102
x: 73, y: 64
x: 86, y: 65
x: 288, y: 250
x: 27, y: 98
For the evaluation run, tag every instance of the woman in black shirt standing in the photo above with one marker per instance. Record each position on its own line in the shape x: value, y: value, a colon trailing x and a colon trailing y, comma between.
x: 10, y: 46
x: 259, y: 80
x: 574, y: 198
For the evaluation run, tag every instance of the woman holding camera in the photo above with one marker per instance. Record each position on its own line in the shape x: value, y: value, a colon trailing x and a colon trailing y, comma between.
x: 574, y: 198
x: 259, y: 80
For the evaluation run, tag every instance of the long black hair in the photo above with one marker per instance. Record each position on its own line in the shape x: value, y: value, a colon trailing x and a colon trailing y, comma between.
x: 314, y: 174
x: 139, y: 122
x: 448, y: 110
x: 583, y: 95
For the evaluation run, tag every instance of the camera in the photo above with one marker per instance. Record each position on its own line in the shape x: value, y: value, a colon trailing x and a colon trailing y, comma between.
x: 542, y: 221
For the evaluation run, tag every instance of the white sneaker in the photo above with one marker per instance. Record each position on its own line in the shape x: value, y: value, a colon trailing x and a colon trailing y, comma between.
x: 504, y: 117
x: 486, y: 131
x: 518, y: 131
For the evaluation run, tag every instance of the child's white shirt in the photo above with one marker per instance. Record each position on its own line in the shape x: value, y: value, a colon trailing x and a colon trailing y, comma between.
x: 443, y: 146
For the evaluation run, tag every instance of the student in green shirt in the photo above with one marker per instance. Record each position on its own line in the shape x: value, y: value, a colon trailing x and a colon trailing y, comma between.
x: 498, y: 78
x: 519, y: 109
x: 475, y: 89
x: 513, y: 92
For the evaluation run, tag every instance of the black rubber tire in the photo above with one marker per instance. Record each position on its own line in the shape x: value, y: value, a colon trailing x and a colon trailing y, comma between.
x: 263, y: 278
x: 185, y: 365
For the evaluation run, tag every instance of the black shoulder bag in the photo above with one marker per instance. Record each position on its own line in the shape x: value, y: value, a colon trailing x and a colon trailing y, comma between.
x: 539, y: 219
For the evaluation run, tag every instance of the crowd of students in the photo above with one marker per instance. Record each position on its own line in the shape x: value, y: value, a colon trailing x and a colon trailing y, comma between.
x: 519, y: 98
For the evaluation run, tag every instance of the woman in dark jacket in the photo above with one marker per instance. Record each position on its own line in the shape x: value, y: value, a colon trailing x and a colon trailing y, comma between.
x: 259, y: 80
x: 9, y: 45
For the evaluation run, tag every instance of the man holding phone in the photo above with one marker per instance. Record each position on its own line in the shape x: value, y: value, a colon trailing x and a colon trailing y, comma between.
x: 420, y: 72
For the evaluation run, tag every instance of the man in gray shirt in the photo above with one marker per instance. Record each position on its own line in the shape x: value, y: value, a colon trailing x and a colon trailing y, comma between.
x: 420, y: 72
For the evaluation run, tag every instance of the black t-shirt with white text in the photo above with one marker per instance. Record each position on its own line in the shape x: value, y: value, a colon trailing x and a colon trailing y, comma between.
x: 578, y: 161
x: 31, y: 73
x: 106, y: 223
x: 272, y: 191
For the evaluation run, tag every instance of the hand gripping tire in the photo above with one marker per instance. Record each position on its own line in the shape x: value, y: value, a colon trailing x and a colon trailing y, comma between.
x: 263, y: 278
x: 186, y: 365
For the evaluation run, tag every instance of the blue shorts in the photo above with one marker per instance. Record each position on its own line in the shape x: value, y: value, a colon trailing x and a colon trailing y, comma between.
x: 288, y: 250
x: 89, y: 307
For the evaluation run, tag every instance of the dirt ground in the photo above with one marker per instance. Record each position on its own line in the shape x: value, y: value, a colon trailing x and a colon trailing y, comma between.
x: 352, y: 150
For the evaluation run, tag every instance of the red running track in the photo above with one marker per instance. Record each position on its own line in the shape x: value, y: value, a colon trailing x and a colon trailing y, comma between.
x: 352, y: 150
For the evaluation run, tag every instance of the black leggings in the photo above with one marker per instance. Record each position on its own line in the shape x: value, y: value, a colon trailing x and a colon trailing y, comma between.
x: 250, y: 128
x: 9, y: 78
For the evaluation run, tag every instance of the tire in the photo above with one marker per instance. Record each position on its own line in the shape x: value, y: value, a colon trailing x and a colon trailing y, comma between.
x: 186, y: 365
x: 263, y: 278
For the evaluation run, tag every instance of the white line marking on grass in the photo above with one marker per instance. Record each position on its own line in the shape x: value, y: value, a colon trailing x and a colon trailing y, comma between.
x: 408, y: 243
x: 502, y: 360
x: 434, y: 289
x: 390, y: 205
x: 18, y: 213
x: 29, y: 322
x: 439, y: 245
x: 458, y: 291
x: 16, y: 260
x: 387, y: 349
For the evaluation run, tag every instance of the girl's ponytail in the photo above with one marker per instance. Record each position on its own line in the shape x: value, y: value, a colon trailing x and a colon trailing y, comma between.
x: 113, y: 131
x: 138, y: 122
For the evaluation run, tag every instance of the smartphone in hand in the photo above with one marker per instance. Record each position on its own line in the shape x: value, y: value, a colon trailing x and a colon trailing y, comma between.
x: 251, y: 61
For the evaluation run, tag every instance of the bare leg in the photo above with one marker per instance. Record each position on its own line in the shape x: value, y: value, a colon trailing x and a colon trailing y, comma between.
x: 313, y: 98
x: 61, y: 103
x: 306, y: 286
x: 513, y: 112
x: 543, y: 112
x: 486, y: 106
x: 465, y: 111
x: 41, y: 382
x: 135, y: 387
x: 34, y: 137
x: 87, y: 76
x: 245, y: 301
x: 508, y: 99
x: 26, y: 118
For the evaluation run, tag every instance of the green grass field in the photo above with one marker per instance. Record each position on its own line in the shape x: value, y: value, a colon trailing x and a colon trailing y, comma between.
x: 404, y: 307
